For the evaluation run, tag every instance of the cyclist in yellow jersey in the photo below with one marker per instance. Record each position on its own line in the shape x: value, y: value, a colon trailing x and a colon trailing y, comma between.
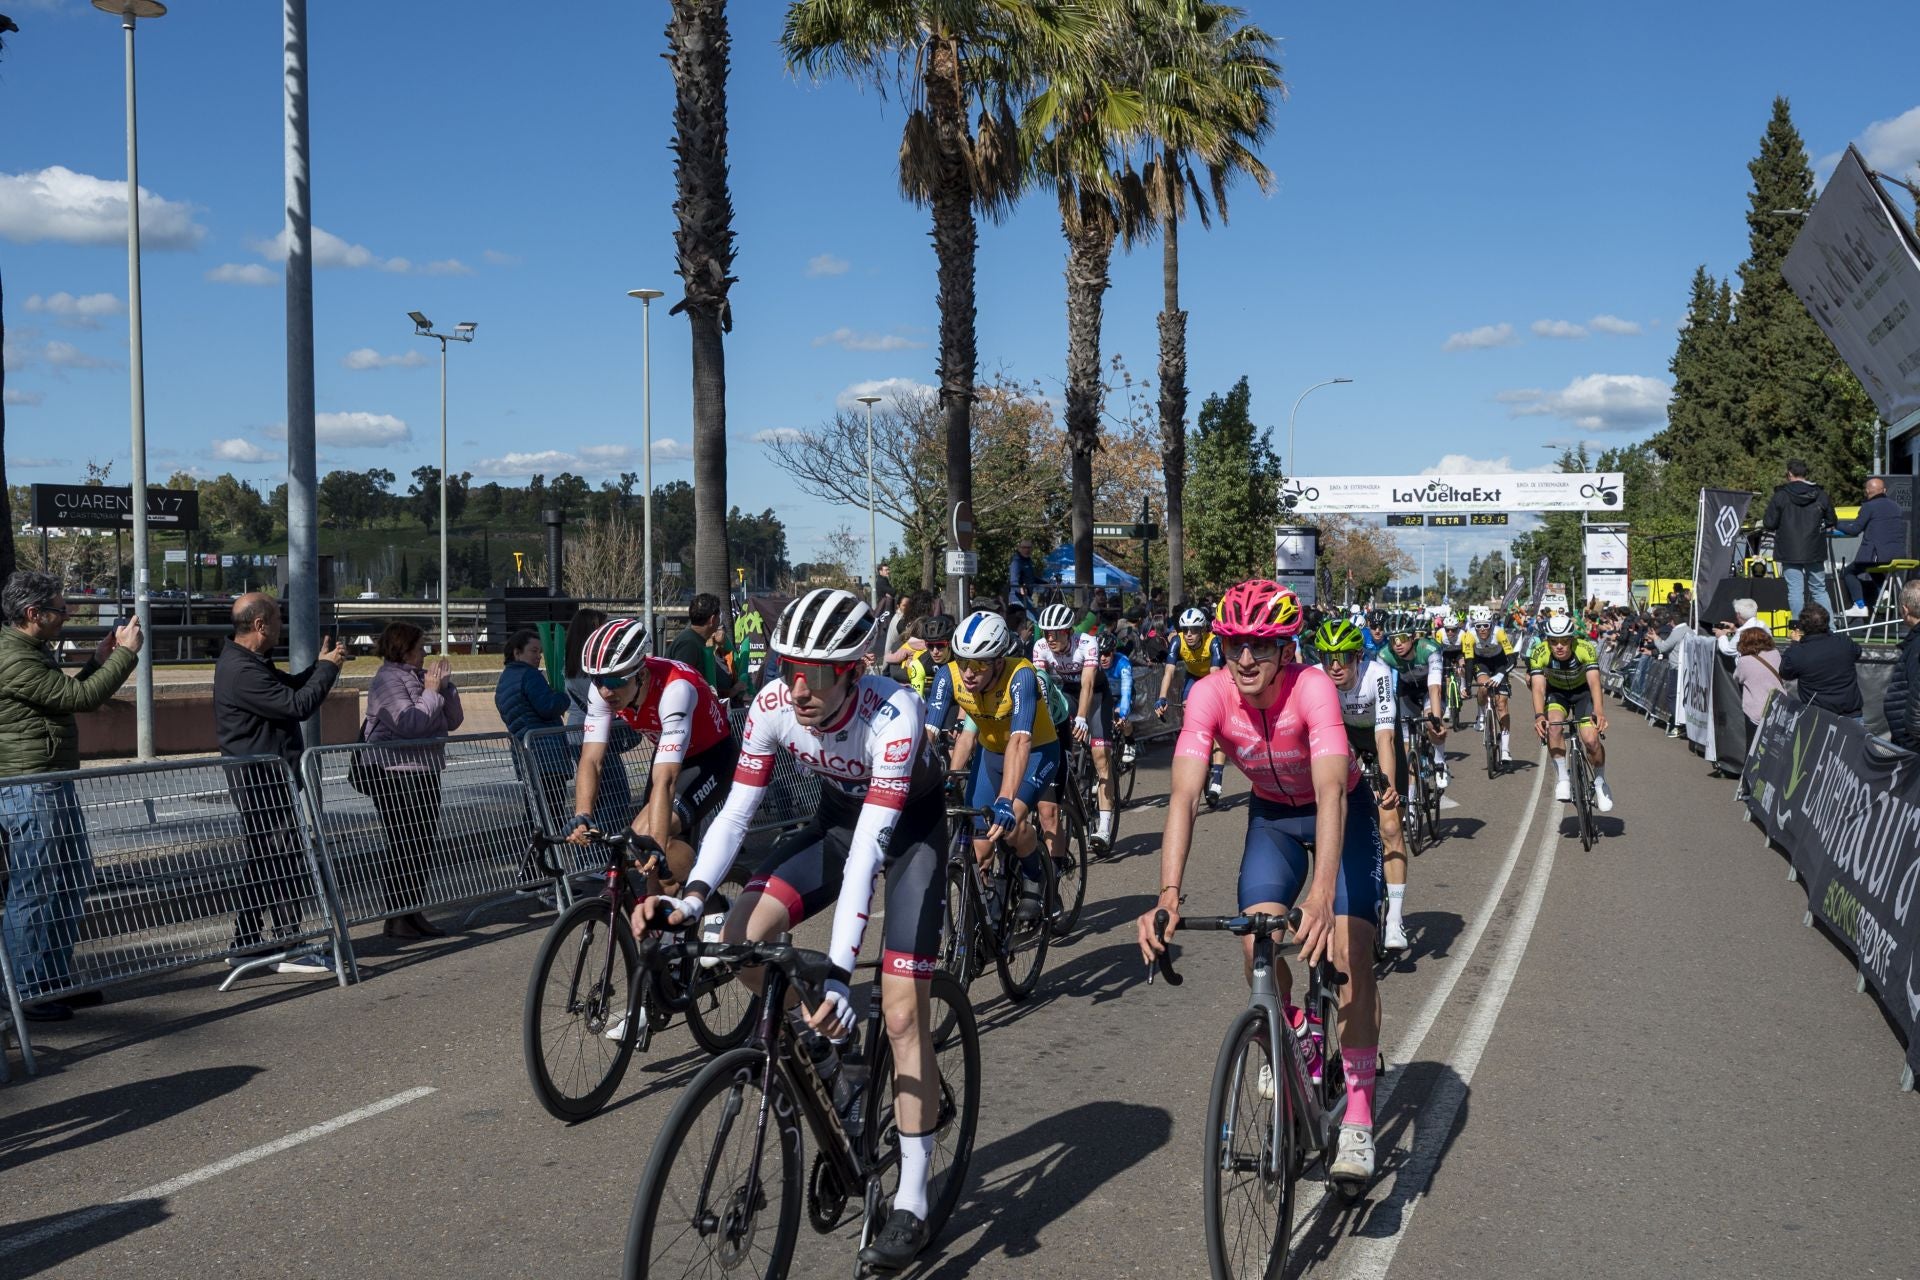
x: 1194, y: 653
x: 1488, y: 659
x: 937, y: 633
x: 1565, y: 672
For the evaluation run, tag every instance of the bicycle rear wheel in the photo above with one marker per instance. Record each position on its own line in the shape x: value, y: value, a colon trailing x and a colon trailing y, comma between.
x: 960, y: 953
x: 1020, y: 951
x: 1248, y: 1161
x: 1582, y: 789
x: 721, y: 1010
x: 574, y: 997
x: 1070, y: 871
x: 699, y: 1209
x: 1491, y: 733
x: 956, y: 1052
x: 1123, y: 781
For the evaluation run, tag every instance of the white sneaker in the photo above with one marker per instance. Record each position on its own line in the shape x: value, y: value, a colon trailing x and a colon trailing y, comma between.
x: 616, y: 1032
x: 1479, y: 724
x: 1396, y: 937
x: 314, y: 962
x: 1354, y: 1160
x: 1506, y: 755
x: 1265, y: 1087
x: 1602, y: 795
x: 1857, y: 611
x: 1440, y: 776
x: 1563, y: 790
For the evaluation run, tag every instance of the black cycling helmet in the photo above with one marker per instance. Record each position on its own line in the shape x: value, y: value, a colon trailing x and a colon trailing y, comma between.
x: 936, y: 628
x: 1108, y: 643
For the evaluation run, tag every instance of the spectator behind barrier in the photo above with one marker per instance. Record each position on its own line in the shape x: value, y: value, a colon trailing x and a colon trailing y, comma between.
x: 50, y: 860
x: 1745, y: 618
x: 1757, y: 673
x: 578, y: 686
x: 1824, y: 664
x: 1881, y: 527
x: 409, y: 701
x: 527, y: 700
x: 695, y: 644
x: 1903, y: 689
x: 1799, y: 515
x: 258, y: 710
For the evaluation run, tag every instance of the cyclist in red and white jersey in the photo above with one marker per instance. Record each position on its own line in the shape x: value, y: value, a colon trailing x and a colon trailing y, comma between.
x: 1281, y: 723
x: 881, y: 806
x: 1073, y: 660
x: 671, y: 704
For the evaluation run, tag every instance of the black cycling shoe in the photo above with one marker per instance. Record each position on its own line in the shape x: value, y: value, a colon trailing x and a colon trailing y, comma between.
x: 1031, y: 908
x: 898, y: 1243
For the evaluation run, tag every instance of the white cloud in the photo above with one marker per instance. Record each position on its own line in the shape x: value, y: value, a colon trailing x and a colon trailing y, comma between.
x: 241, y: 450
x: 1460, y: 464
x: 56, y: 203
x: 890, y: 390
x: 243, y: 273
x: 64, y: 355
x: 608, y: 455
x: 1518, y: 395
x: 17, y: 354
x: 547, y: 462
x: 1891, y: 146
x: 1487, y: 335
x: 83, y: 312
x: 779, y: 435
x: 826, y: 264
x: 363, y: 358
x: 1598, y: 402
x: 587, y: 460
x: 447, y: 267
x: 15, y: 396
x: 34, y: 464
x: 360, y: 430
x: 329, y: 250
x: 671, y: 450
x: 1557, y: 329
x: 1614, y: 325
x: 851, y: 340
x: 495, y: 258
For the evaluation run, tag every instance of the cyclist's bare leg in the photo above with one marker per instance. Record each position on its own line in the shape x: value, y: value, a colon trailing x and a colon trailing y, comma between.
x: 757, y: 917
x: 905, y: 1006
x: 1103, y: 766
x: 1596, y: 750
x: 1556, y: 732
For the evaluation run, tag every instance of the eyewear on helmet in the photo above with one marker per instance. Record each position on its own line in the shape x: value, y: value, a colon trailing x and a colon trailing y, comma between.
x: 1345, y: 657
x: 816, y: 674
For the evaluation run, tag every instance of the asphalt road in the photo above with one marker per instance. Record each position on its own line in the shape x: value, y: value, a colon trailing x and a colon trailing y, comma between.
x: 1629, y: 1062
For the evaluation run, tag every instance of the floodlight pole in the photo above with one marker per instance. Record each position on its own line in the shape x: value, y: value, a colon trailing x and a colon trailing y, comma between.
x: 873, y: 537
x: 646, y: 297
x: 462, y: 332
x: 1296, y: 413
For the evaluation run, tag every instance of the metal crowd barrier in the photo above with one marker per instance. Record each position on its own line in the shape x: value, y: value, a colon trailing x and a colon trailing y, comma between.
x: 419, y: 826
x: 123, y: 873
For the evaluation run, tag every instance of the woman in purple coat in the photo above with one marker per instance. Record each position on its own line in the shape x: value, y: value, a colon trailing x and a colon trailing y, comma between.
x: 410, y: 701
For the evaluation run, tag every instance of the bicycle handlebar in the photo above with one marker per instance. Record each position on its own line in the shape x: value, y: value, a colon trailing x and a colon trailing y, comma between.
x: 807, y: 970
x: 1243, y: 925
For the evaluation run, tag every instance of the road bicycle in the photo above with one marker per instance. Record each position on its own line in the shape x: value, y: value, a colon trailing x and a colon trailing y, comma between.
x: 981, y: 918
x: 590, y: 1007
x: 1422, y: 801
x: 721, y: 1194
x: 1580, y: 779
x: 1456, y: 691
x: 1268, y: 1120
x: 1126, y: 771
x: 1490, y: 722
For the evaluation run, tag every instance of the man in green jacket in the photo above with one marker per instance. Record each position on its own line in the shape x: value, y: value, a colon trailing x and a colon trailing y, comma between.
x: 50, y: 862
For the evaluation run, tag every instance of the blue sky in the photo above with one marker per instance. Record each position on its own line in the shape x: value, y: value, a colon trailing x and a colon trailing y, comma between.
x: 1486, y: 215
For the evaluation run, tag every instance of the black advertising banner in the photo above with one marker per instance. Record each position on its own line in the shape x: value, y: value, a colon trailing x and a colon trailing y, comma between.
x: 1539, y: 586
x: 1716, y: 542
x: 1513, y: 595
x: 94, y: 506
x: 1847, y: 812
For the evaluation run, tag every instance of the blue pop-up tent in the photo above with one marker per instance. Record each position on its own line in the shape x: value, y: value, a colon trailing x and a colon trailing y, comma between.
x: 1105, y: 572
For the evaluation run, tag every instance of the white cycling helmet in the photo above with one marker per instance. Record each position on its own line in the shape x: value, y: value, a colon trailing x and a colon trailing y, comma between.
x: 1480, y: 613
x: 983, y: 635
x: 1452, y: 622
x: 825, y: 625
x: 1558, y: 627
x: 616, y: 647
x: 1058, y: 617
x: 1193, y: 619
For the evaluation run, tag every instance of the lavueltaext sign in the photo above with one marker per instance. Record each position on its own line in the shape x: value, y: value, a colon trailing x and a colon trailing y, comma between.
x: 96, y: 506
x: 1522, y: 491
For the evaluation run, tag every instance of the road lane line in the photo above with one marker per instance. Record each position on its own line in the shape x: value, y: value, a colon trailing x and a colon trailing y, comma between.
x: 1370, y: 1257
x: 1422, y: 1022
x: 161, y: 1190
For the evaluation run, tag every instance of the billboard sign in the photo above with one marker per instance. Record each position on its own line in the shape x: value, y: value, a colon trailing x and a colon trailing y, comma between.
x: 1504, y: 491
x: 1296, y: 551
x: 96, y: 506
x: 1608, y: 580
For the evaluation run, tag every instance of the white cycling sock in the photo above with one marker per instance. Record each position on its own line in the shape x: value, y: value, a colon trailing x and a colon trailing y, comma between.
x: 916, y: 1153
x: 1506, y: 743
x: 1440, y: 755
x: 1104, y: 827
x: 1600, y: 773
x: 1396, y: 902
x: 1560, y: 763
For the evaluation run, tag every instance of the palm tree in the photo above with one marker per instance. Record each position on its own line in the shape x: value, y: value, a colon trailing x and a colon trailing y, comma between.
x: 947, y: 59
x: 697, y: 42
x: 1213, y: 105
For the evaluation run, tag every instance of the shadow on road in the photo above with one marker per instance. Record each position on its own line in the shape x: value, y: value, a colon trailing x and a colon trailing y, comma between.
x: 1461, y: 828
x: 74, y: 1123
x: 1100, y: 976
x: 135, y: 1215
x: 1028, y: 1179
x: 1432, y: 934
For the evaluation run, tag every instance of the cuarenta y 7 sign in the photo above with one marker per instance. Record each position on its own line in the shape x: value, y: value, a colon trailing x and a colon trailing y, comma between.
x: 1521, y: 491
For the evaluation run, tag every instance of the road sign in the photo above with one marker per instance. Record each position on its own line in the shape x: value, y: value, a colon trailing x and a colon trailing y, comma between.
x: 519, y: 561
x: 963, y: 529
x: 962, y: 564
x: 96, y: 506
x: 670, y: 566
x: 1146, y: 532
x: 1395, y: 520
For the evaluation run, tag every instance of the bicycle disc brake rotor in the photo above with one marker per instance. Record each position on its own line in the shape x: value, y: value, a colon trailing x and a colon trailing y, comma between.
x: 738, y: 1225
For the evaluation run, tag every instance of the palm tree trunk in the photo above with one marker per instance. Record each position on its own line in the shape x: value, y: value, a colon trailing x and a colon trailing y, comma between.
x: 1173, y: 406
x: 7, y: 564
x: 698, y: 47
x: 1089, y: 254
x: 955, y: 239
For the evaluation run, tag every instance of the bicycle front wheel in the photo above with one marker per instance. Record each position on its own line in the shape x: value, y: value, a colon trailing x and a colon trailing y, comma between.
x: 721, y: 1009
x: 1582, y: 790
x: 1020, y: 950
x: 1248, y: 1159
x: 721, y: 1192
x: 579, y: 991
x: 1492, y: 734
x: 956, y: 1054
x: 1070, y: 870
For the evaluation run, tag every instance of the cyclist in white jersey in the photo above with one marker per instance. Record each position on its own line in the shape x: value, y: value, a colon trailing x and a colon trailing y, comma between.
x: 881, y: 806
x: 1074, y: 663
x: 1371, y: 710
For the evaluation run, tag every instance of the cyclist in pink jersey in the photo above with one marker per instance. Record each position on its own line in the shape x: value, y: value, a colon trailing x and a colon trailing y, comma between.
x: 1281, y: 724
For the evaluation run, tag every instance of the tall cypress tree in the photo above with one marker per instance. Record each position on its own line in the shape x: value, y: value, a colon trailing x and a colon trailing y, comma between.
x: 1233, y: 494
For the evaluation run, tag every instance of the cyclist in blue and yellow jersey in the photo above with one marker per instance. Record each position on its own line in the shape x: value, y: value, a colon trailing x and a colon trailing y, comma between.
x: 1564, y: 668
x: 1018, y: 755
x: 1193, y: 653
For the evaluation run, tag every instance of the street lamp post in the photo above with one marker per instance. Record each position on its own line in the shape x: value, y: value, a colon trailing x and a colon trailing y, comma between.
x: 462, y: 332
x: 646, y: 297
x: 873, y: 540
x: 129, y: 11
x: 1295, y: 413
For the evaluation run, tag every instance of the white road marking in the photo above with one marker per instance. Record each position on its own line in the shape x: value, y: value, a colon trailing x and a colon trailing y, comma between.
x: 1370, y: 1257
x: 161, y: 1190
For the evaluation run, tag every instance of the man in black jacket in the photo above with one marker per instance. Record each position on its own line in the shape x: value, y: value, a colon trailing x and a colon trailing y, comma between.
x: 1824, y: 664
x: 1799, y: 516
x: 1881, y: 527
x: 1903, y: 689
x: 257, y: 711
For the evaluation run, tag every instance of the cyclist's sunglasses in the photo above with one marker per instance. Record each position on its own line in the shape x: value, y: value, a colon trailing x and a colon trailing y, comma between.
x: 978, y: 666
x: 1261, y: 650
x: 817, y: 674
x: 612, y: 682
x: 1345, y: 657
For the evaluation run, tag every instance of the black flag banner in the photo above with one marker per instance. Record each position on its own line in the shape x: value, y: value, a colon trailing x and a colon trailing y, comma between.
x: 1716, y: 542
x: 1513, y: 594
x: 1847, y: 811
x: 1539, y: 585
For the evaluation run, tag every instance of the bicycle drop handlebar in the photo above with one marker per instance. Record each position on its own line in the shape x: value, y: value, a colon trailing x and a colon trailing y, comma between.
x: 1259, y: 924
